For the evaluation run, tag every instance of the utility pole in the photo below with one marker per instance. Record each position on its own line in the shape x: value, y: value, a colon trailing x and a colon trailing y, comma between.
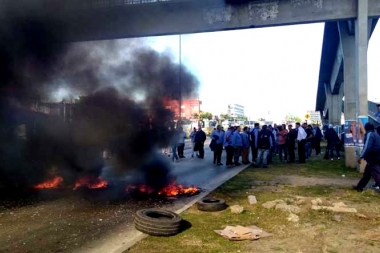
x: 180, y: 82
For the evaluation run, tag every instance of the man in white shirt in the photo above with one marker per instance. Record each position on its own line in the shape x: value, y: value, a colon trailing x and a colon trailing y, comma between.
x: 301, y: 136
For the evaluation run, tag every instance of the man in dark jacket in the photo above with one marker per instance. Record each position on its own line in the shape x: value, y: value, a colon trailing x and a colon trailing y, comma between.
x: 200, y: 138
x: 371, y: 153
x: 317, y: 139
x: 264, y: 144
x: 291, y: 143
x: 332, y: 139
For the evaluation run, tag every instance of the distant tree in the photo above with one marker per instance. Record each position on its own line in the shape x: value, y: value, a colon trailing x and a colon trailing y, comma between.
x: 195, y: 116
x: 225, y: 116
x: 242, y: 118
x: 261, y: 119
x: 206, y: 115
x: 292, y: 118
x: 297, y: 119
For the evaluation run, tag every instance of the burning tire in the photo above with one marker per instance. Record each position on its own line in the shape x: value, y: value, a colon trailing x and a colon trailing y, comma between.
x: 211, y: 204
x: 157, y: 222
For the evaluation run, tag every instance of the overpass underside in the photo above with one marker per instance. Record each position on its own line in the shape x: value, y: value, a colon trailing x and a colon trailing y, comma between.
x: 82, y: 20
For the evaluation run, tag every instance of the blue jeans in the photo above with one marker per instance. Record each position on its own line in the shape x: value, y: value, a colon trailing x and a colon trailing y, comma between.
x: 308, y: 149
x: 262, y: 154
x: 174, y: 151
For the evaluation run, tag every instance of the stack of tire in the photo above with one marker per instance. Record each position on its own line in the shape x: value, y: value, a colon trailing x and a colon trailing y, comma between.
x: 157, y: 222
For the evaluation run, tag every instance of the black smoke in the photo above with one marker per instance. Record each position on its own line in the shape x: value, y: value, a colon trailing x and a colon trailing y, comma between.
x: 118, y: 88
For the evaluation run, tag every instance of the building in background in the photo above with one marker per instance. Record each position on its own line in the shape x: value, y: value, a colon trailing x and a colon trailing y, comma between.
x: 189, y: 107
x: 235, y: 110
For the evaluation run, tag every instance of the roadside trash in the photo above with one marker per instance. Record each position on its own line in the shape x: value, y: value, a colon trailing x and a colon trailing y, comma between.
x: 240, y: 233
x: 252, y: 200
x: 293, y: 217
x: 237, y: 209
x: 338, y: 207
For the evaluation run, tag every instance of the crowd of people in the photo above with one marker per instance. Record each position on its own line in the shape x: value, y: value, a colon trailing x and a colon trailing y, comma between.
x: 259, y: 144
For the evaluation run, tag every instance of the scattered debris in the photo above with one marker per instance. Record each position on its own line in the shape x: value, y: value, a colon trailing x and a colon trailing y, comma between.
x: 316, y: 201
x: 338, y: 207
x: 273, y: 203
x: 360, y: 215
x: 288, y: 208
x: 336, y: 218
x: 240, y: 233
x: 252, y: 200
x: 293, y: 217
x: 237, y: 209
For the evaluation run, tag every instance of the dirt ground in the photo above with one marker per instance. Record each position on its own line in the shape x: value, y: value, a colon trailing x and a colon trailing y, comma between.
x: 55, y: 222
x: 329, y: 232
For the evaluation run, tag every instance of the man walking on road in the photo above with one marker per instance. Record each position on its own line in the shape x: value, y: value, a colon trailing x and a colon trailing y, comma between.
x: 371, y: 153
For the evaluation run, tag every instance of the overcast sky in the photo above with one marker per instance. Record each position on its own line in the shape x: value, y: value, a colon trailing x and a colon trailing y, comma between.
x: 268, y: 70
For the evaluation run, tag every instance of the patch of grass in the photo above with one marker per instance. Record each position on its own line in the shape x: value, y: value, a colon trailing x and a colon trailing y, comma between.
x: 308, y: 235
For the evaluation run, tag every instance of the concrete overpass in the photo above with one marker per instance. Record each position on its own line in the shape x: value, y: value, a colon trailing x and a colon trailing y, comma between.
x: 82, y: 20
x: 337, y: 65
x: 349, y: 24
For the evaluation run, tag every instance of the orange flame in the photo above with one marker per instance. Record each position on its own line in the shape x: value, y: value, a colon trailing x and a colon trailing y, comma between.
x: 91, y: 183
x: 168, y: 191
x: 51, y: 183
x: 175, y: 190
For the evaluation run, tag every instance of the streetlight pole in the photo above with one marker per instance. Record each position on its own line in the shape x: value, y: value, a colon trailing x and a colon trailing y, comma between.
x: 180, y: 81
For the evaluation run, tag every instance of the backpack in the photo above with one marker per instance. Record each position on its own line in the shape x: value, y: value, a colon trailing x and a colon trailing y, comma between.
x: 263, y: 141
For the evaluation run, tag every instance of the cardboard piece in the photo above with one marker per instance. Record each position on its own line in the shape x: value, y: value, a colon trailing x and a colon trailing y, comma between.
x: 240, y: 233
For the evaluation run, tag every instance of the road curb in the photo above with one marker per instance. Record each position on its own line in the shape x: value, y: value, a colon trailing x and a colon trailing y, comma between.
x: 139, y: 236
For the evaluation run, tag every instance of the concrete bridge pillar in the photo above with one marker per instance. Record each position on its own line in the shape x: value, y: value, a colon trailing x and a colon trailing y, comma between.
x: 354, y: 39
x: 334, y: 103
x: 347, y: 39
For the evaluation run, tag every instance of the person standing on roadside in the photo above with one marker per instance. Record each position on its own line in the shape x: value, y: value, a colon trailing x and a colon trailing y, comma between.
x: 308, y: 139
x: 200, y: 138
x: 281, y: 137
x: 291, y: 143
x: 301, y: 136
x: 264, y: 144
x: 228, y: 147
x: 174, y: 143
x: 253, y: 140
x: 237, y: 143
x: 218, y: 137
x: 192, y: 137
x: 332, y: 139
x: 246, y: 145
x: 181, y: 142
x: 317, y: 139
